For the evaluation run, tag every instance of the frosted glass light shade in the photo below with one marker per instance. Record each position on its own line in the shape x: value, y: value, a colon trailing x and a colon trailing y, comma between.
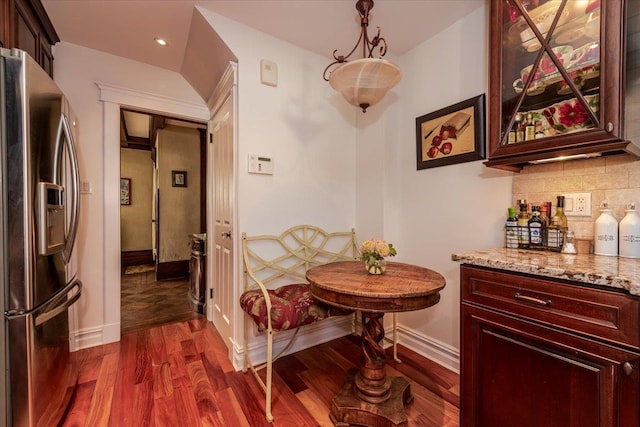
x: 364, y: 82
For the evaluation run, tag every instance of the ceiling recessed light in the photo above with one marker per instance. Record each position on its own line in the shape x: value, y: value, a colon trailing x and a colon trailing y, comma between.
x: 160, y: 41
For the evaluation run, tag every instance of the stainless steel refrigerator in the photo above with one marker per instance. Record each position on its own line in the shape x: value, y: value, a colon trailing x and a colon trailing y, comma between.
x: 38, y: 224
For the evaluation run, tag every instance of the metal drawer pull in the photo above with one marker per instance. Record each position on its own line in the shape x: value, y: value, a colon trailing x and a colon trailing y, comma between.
x: 627, y: 368
x: 532, y: 299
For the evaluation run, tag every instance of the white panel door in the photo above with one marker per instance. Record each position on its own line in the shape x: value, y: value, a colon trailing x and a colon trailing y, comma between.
x: 222, y: 302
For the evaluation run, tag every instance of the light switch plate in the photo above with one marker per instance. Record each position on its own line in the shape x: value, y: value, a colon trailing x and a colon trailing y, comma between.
x: 260, y: 164
x: 85, y: 187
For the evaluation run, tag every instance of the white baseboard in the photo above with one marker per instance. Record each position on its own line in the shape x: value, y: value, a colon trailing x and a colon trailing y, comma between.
x: 92, y: 337
x: 426, y: 346
x: 308, y: 336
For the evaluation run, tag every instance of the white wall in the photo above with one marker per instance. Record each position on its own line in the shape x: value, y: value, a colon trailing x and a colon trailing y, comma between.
x: 432, y: 213
x: 308, y: 130
x: 76, y: 71
x: 303, y: 124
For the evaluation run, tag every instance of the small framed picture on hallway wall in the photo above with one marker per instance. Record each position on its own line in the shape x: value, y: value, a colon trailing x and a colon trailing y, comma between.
x: 125, y: 191
x: 178, y: 178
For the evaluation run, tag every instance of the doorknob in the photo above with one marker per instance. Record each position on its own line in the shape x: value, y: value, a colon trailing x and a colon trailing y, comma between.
x: 226, y: 235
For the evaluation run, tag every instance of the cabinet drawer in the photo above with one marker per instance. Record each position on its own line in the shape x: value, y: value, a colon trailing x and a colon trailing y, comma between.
x: 598, y: 313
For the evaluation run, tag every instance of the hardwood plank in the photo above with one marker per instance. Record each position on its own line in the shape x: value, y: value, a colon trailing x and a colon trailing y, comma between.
x: 214, y: 371
x: 102, y: 398
x: 202, y: 391
x: 178, y: 366
x: 347, y: 347
x: 315, y: 406
x: 162, y: 381
x: 288, y: 410
x: 143, y: 373
x: 231, y: 409
x: 172, y: 337
x: 143, y: 404
x: 250, y: 394
x: 122, y: 407
x: 289, y: 369
x: 77, y: 415
x: 164, y: 412
x: 189, y: 351
x: 220, y: 349
x: 324, y: 386
x: 186, y: 406
x: 89, y: 370
x: 158, y: 347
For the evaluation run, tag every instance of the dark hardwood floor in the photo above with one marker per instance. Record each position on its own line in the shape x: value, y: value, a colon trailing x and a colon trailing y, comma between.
x: 178, y: 374
x: 146, y: 302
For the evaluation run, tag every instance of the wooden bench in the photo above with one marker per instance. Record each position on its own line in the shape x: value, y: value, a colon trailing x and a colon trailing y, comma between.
x: 276, y: 294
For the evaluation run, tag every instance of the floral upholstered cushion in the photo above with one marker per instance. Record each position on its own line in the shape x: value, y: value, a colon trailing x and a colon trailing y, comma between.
x: 291, y: 306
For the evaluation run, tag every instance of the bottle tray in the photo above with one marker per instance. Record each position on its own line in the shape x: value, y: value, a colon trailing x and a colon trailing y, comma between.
x: 520, y: 237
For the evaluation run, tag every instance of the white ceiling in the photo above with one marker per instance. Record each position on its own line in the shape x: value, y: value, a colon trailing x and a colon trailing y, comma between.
x: 128, y: 28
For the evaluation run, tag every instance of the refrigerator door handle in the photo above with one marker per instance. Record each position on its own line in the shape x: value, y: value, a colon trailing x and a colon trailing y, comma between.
x: 58, y: 304
x: 64, y: 132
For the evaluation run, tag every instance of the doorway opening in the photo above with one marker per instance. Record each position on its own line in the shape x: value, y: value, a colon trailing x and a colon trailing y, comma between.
x: 162, y: 203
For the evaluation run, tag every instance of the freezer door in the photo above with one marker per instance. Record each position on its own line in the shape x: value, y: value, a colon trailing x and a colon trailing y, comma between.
x: 42, y: 372
x: 33, y: 137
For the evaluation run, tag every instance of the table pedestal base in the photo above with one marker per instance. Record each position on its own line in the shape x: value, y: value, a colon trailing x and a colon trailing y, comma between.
x: 348, y: 409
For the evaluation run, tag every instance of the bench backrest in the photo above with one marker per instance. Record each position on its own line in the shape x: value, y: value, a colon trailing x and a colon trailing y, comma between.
x: 283, y: 259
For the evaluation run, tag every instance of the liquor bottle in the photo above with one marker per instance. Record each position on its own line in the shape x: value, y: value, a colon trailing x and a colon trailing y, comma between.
x: 519, y: 125
x: 530, y: 129
x: 523, y: 225
x: 560, y: 212
x: 558, y: 226
x: 536, y: 228
x: 606, y: 232
x: 512, y: 229
x: 630, y: 233
x: 512, y: 132
x: 544, y: 212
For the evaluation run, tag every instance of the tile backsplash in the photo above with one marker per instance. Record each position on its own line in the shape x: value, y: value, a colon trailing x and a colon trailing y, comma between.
x: 615, y: 178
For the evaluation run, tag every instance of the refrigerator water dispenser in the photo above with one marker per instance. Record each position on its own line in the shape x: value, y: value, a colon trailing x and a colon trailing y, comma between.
x: 51, y: 219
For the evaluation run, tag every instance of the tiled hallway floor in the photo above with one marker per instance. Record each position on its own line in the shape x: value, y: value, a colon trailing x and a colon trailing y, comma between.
x: 146, y: 302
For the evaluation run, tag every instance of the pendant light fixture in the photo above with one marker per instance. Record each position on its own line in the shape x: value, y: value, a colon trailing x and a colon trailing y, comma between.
x: 364, y: 82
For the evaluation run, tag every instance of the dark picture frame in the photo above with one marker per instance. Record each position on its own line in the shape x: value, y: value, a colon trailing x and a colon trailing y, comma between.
x: 451, y: 135
x: 125, y: 191
x: 178, y: 178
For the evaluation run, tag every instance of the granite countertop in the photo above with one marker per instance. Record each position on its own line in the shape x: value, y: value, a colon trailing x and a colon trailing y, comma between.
x: 623, y: 273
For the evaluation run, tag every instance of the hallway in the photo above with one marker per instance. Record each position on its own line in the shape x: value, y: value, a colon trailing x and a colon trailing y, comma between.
x: 146, y: 303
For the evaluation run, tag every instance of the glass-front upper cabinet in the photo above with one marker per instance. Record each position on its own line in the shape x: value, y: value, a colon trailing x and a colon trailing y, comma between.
x: 556, y: 80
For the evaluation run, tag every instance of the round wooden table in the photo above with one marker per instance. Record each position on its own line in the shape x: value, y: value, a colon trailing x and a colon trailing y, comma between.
x: 369, y: 396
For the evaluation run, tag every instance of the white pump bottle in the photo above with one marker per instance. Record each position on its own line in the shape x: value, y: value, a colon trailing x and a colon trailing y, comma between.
x: 606, y: 232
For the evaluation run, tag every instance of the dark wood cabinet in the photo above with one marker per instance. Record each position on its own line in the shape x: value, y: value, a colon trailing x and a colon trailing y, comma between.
x: 26, y: 26
x: 557, y: 83
x: 539, y: 352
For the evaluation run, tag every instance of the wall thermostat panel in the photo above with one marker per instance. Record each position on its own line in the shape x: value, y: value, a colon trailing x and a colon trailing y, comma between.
x: 260, y: 164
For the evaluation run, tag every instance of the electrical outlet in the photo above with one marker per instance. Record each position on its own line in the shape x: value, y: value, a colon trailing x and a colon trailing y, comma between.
x: 577, y: 204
